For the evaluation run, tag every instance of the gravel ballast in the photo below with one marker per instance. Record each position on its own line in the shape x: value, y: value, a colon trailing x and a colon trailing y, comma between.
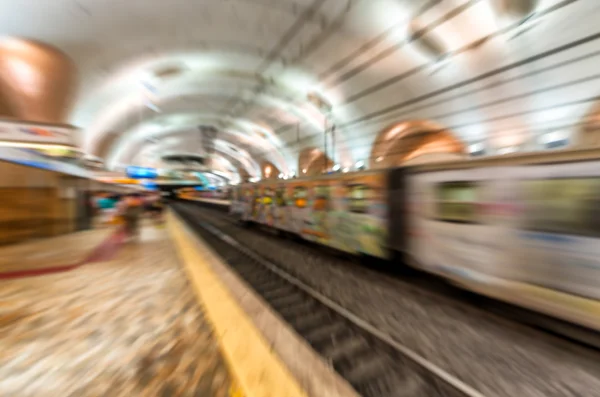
x: 493, y: 355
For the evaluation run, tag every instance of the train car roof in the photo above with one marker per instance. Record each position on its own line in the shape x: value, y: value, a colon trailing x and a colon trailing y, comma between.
x: 530, y: 158
x: 336, y: 175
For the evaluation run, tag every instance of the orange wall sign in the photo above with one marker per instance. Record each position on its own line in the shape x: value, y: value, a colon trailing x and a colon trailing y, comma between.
x: 39, y: 134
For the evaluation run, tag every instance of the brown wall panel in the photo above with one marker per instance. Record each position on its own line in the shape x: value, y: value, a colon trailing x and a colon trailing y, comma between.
x: 36, y: 203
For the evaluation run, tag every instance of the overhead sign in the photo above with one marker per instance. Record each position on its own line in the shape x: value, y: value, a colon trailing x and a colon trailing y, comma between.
x: 34, y: 158
x: 34, y: 133
x: 141, y: 172
x: 120, y: 181
x: 150, y: 185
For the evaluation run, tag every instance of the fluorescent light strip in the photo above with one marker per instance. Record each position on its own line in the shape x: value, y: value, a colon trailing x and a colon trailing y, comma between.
x: 31, y: 145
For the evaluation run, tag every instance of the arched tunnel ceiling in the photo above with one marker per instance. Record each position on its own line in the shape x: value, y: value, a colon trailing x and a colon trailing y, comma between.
x: 499, y: 71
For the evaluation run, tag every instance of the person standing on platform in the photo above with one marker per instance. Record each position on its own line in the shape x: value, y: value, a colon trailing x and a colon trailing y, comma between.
x: 157, y: 210
x: 132, y: 210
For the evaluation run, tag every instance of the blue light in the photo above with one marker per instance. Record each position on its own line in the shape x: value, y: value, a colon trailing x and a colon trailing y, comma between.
x: 141, y: 172
x: 149, y: 185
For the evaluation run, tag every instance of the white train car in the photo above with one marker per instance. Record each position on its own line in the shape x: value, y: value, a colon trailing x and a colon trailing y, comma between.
x: 520, y: 228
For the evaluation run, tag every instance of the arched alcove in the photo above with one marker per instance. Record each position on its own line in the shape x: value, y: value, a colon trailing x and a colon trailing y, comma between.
x: 588, y: 134
x: 269, y: 171
x: 518, y: 9
x: 312, y: 161
x: 37, y: 81
x: 414, y: 141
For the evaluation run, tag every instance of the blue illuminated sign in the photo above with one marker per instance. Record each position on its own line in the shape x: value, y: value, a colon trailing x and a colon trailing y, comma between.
x: 149, y: 185
x: 141, y: 172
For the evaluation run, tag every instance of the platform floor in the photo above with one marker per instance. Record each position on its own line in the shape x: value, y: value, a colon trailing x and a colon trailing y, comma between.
x: 51, y: 252
x: 127, y: 327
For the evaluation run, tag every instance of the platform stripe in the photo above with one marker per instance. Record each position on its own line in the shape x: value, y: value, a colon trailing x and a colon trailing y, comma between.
x: 255, y: 366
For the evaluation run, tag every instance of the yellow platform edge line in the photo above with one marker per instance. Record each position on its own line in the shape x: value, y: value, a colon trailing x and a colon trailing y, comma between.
x: 253, y: 364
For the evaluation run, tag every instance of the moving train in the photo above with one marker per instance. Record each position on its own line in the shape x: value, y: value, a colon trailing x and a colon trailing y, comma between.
x: 194, y: 193
x: 523, y: 228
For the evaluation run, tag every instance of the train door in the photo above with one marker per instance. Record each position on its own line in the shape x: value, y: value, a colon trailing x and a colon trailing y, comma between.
x: 257, y: 203
x: 399, y: 207
x: 299, y: 209
x: 267, y: 215
x: 560, y: 233
x: 280, y: 208
x: 449, y: 232
x: 317, y: 225
x: 368, y: 206
x: 345, y: 226
x: 249, y: 205
x: 236, y: 208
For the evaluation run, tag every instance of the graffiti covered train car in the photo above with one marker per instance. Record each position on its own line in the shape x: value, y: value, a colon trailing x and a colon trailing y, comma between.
x: 348, y: 212
x: 523, y: 228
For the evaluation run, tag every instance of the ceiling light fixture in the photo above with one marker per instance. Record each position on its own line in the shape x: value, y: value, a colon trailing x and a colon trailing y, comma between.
x: 153, y: 107
x: 476, y: 147
x: 553, y: 136
x: 507, y: 150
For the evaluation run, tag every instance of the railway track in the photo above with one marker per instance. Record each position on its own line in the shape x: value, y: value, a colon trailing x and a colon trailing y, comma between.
x: 370, y: 360
x: 569, y: 333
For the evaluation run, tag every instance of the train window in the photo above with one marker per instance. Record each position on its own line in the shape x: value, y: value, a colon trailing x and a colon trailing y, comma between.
x: 564, y: 206
x: 321, y: 202
x: 359, y: 200
x: 457, y: 202
x: 300, y: 196
x: 280, y: 197
x: 268, y: 196
x: 256, y: 196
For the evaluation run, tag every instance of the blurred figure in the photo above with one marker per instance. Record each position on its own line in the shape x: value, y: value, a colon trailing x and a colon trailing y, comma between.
x: 156, y: 208
x: 107, y: 205
x: 131, y: 210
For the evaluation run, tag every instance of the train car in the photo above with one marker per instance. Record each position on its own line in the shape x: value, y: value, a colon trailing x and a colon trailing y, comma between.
x: 520, y: 228
x: 191, y: 193
x: 343, y: 211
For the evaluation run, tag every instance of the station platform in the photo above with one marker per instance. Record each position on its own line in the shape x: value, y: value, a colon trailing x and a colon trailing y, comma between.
x: 127, y: 326
x: 162, y: 316
x: 62, y: 253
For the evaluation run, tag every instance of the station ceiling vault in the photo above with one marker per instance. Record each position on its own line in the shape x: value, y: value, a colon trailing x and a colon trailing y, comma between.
x: 152, y: 74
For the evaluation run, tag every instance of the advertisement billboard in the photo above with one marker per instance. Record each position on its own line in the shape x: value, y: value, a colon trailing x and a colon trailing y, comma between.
x: 37, y: 134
